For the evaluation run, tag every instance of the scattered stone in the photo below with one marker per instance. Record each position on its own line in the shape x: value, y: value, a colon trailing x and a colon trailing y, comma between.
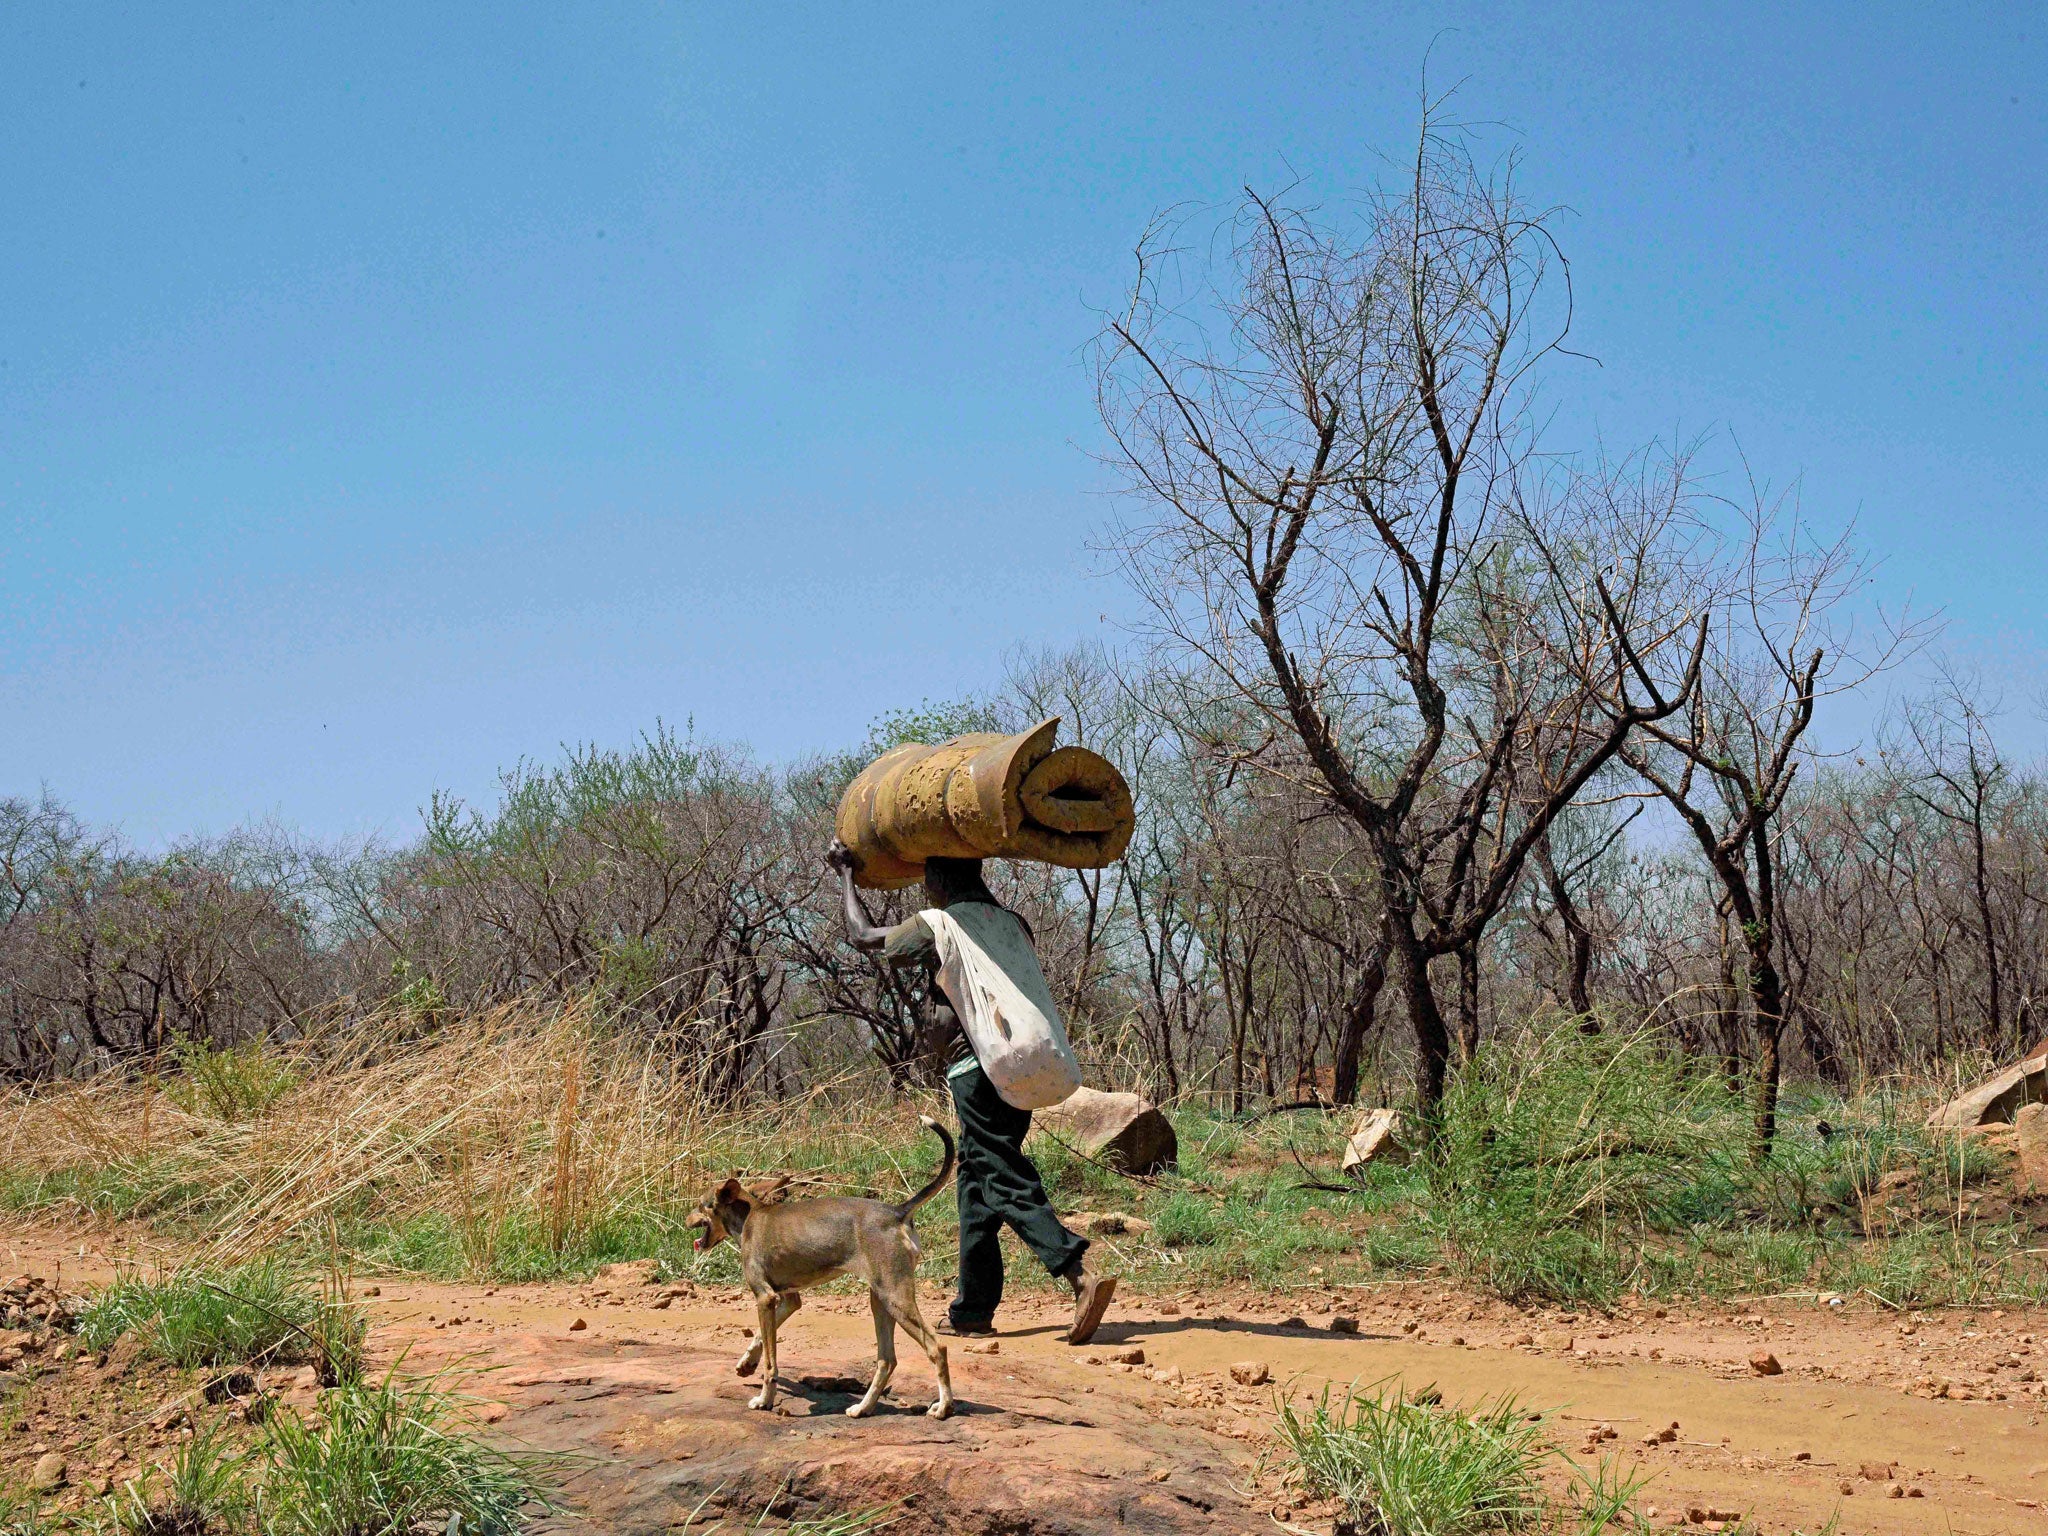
x: 1342, y: 1324
x: 578, y: 1325
x: 1876, y: 1471
x: 49, y: 1473
x: 1894, y: 1491
x: 1293, y: 1322
x: 1118, y: 1128
x: 1376, y: 1138
x: 1764, y: 1363
x: 1131, y: 1356
x: 630, y: 1272
x: 372, y: 1290
x: 1251, y: 1373
x: 982, y: 1346
x: 1108, y: 1224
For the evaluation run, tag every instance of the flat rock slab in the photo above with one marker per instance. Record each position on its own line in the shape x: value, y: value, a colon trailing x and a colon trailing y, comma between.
x: 664, y: 1431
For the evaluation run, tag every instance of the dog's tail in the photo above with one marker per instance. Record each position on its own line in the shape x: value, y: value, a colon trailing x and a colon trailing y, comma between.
x: 938, y: 1179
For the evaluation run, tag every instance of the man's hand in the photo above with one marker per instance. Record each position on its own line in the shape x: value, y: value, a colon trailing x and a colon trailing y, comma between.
x: 839, y: 856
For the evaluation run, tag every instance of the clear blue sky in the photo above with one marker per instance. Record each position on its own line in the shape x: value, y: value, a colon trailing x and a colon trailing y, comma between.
x: 390, y: 391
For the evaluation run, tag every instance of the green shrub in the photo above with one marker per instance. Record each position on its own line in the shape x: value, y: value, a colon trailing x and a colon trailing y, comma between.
x: 259, y: 1313
x: 206, y: 1490
x: 231, y: 1083
x: 1558, y: 1150
x: 389, y: 1459
x: 1408, y: 1468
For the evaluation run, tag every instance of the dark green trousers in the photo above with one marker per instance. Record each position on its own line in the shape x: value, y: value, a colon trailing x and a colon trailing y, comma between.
x: 998, y: 1185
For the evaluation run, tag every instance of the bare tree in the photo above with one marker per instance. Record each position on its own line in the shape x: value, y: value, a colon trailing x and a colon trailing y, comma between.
x: 1351, y: 538
x: 1782, y: 640
x: 1942, y: 748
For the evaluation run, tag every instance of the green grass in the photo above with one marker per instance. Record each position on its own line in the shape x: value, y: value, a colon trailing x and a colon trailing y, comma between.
x: 256, y: 1314
x: 1570, y: 1168
x: 206, y: 1489
x: 387, y: 1459
x: 1406, y: 1466
x: 1410, y: 1468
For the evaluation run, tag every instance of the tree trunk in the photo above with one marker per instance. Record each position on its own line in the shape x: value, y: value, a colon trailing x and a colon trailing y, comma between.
x: 1432, y: 1038
x: 1578, y: 943
x: 1358, y: 1020
x: 1729, y: 1018
x: 1767, y: 1000
x: 1468, y: 1003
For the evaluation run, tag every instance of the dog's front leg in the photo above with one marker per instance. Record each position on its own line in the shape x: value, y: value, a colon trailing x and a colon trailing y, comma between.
x: 785, y: 1304
x: 768, y: 1309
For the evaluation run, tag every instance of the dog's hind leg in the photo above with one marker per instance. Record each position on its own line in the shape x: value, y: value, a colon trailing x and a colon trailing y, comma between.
x: 785, y: 1304
x: 770, y: 1310
x: 901, y: 1300
x: 885, y: 1356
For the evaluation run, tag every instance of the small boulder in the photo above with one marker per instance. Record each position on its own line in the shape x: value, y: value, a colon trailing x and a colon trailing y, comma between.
x: 1251, y: 1373
x: 1764, y: 1363
x: 49, y: 1473
x: 1118, y: 1128
x: 629, y: 1272
x: 1375, y: 1139
x: 1342, y: 1324
x: 2030, y: 1132
x: 1999, y: 1097
x: 1131, y: 1356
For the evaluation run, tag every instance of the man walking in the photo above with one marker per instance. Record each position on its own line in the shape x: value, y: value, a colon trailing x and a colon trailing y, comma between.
x: 998, y: 1184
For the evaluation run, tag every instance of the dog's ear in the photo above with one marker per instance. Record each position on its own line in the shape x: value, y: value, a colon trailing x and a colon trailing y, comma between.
x: 732, y: 1192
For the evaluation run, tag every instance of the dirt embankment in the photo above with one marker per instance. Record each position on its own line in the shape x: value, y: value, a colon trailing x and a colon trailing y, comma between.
x: 1901, y: 1423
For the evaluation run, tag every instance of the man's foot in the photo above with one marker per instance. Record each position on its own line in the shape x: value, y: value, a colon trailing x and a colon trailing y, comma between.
x: 1091, y: 1299
x: 946, y: 1325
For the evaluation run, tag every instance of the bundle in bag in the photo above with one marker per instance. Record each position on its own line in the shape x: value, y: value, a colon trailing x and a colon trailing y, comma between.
x: 984, y: 796
x: 991, y: 975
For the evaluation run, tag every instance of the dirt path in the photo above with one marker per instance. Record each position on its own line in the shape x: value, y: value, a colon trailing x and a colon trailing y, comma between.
x: 1057, y: 1439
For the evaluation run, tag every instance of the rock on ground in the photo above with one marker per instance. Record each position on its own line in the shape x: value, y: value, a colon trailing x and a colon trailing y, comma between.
x: 1119, y: 1128
x: 1999, y: 1097
x: 1376, y: 1138
x: 667, y: 1431
x: 2030, y: 1127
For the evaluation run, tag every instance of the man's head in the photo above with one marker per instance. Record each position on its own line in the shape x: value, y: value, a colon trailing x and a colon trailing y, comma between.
x: 949, y: 880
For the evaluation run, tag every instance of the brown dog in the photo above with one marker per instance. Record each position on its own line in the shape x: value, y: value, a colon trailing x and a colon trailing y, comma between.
x: 789, y: 1246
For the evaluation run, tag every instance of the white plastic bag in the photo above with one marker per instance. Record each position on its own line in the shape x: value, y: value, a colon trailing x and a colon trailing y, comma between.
x: 990, y: 973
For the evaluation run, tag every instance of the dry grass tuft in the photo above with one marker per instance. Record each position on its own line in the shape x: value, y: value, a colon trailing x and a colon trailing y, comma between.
x: 525, y: 1120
